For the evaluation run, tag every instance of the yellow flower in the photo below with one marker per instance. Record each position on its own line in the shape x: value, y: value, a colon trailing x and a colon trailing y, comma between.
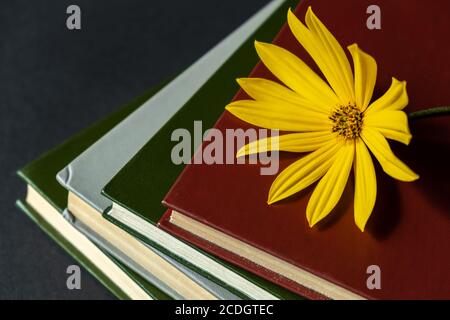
x: 336, y: 122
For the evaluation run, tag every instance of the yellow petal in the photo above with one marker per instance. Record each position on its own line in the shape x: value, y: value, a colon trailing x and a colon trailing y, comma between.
x: 303, y: 172
x: 326, y: 52
x: 312, y: 45
x: 281, y: 116
x: 391, y: 124
x: 266, y: 90
x: 396, y: 98
x: 330, y: 188
x: 388, y: 161
x: 365, y: 76
x: 365, y: 185
x: 294, y: 142
x: 294, y: 73
x: 335, y: 54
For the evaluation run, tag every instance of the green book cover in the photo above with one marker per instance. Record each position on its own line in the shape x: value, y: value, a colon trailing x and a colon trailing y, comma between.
x: 40, y: 174
x: 144, y: 181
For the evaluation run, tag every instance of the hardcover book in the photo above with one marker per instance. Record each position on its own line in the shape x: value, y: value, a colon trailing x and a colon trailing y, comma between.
x: 136, y: 191
x: 223, y: 208
x: 46, y: 201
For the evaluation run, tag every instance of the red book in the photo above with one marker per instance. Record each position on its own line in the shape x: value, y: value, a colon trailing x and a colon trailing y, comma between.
x: 408, y: 234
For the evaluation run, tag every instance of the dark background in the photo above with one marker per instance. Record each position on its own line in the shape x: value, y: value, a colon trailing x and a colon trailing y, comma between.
x: 55, y: 82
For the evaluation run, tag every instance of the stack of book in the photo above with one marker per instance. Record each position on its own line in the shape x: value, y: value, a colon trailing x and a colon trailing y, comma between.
x: 149, y: 227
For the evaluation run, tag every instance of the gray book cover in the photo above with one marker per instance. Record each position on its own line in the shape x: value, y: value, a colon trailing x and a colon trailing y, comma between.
x: 94, y: 168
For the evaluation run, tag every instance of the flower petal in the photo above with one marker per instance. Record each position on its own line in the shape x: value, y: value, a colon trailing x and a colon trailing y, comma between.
x: 294, y: 73
x: 303, y: 172
x: 388, y: 161
x: 396, y: 98
x: 281, y: 116
x: 365, y: 185
x: 330, y: 188
x: 270, y: 91
x: 294, y: 142
x: 391, y: 124
x: 326, y: 52
x: 365, y: 76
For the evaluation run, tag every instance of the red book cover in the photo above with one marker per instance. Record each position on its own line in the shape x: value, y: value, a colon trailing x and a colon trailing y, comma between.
x: 408, y: 234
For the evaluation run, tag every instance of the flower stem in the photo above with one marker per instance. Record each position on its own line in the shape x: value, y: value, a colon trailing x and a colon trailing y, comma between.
x: 431, y: 112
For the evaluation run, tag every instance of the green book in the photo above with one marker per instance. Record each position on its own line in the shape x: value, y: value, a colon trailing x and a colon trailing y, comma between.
x: 47, y: 199
x: 136, y: 190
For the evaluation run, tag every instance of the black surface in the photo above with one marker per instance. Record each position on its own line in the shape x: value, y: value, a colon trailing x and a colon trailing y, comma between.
x: 54, y: 82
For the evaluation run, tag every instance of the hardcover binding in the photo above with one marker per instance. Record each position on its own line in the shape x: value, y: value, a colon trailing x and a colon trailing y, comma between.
x: 408, y: 232
x: 305, y: 292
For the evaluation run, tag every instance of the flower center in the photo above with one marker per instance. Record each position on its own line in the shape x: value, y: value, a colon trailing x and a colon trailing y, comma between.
x: 347, y: 121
